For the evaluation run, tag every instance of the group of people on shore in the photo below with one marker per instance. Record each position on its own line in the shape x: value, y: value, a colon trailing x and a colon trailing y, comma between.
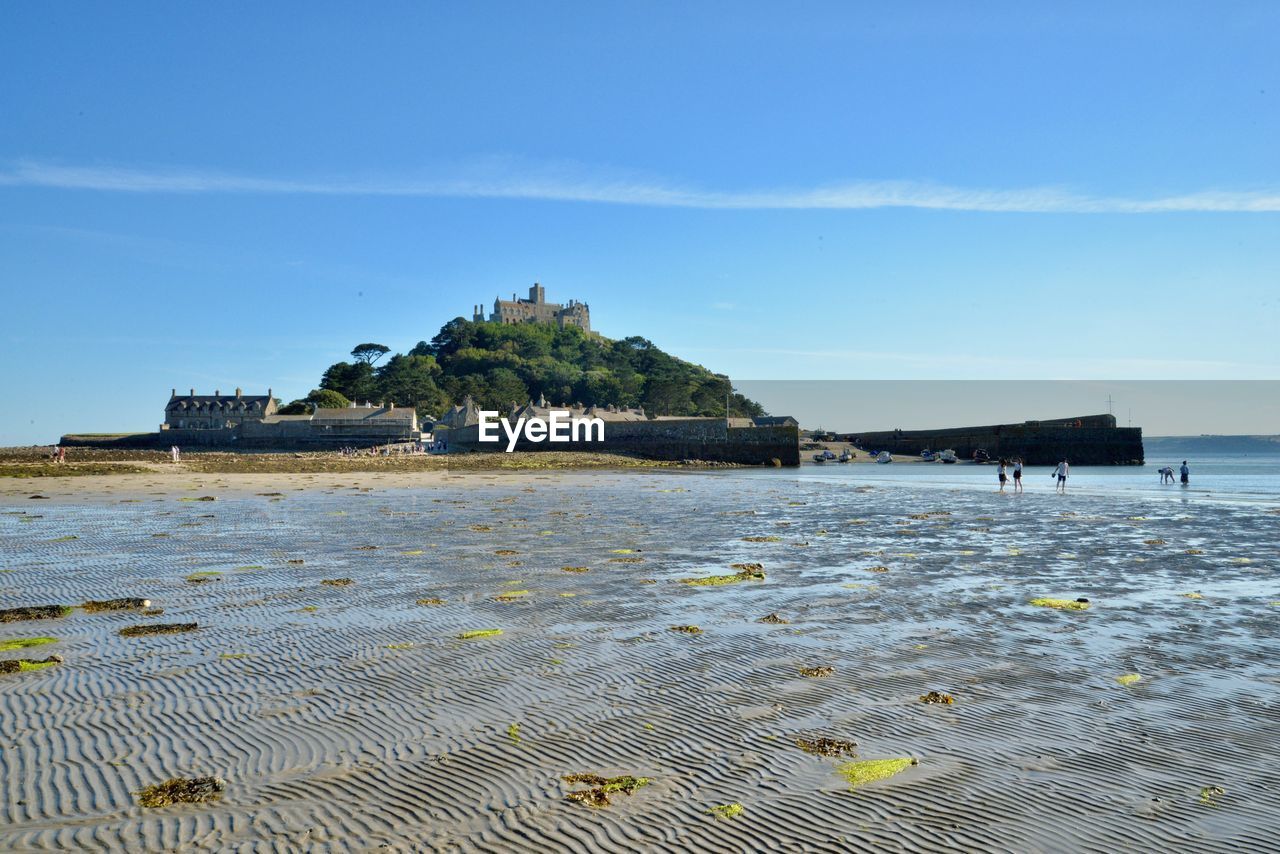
x: 1062, y: 471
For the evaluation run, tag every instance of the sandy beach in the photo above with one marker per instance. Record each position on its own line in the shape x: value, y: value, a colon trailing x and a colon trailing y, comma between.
x: 333, y: 681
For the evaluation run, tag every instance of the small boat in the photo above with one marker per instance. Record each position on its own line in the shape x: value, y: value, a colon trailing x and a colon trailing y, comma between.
x: 819, y: 458
x: 828, y: 455
x: 884, y: 457
x: 928, y: 456
x: 846, y: 455
x: 981, y: 456
x: 947, y: 456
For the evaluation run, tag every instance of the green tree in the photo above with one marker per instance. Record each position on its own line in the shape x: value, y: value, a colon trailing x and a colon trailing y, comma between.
x: 369, y: 353
x: 353, y: 380
x: 411, y: 381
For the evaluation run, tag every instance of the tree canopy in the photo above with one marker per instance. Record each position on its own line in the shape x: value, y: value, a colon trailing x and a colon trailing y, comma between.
x: 500, y: 364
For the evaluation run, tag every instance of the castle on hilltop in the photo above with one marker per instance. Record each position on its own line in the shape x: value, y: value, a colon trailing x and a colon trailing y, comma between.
x: 536, y: 309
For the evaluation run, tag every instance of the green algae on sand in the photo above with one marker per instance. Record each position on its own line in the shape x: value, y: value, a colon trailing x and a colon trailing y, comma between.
x: 726, y: 811
x: 601, y: 788
x: 479, y: 633
x: 865, y: 771
x: 820, y: 672
x: 26, y: 665
x: 937, y: 697
x: 746, y: 572
x: 688, y: 630
x: 1128, y: 679
x: 1060, y: 604
x: 24, y: 643
x: 181, y: 790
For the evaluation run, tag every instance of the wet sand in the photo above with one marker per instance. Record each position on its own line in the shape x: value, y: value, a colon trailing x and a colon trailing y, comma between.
x: 351, y: 716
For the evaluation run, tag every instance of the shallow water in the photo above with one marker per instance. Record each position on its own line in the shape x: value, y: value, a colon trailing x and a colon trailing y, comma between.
x: 328, y: 735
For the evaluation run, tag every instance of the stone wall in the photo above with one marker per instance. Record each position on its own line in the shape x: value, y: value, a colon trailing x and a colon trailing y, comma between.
x: 708, y: 439
x: 1037, y: 445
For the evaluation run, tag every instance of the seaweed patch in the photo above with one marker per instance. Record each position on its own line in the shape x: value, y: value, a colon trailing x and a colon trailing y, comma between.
x: 817, y: 672
x: 94, y: 606
x: 479, y: 633
x: 726, y: 811
x: 602, y: 787
x: 774, y: 619
x: 26, y: 665
x: 937, y: 697
x: 1061, y: 604
x: 1128, y: 679
x: 34, y: 612
x: 746, y: 572
x: 431, y: 600
x: 870, y: 770
x: 181, y: 790
x: 24, y: 643
x: 1210, y: 794
x: 826, y: 746
x: 688, y: 630
x: 337, y: 582
x: 157, y: 629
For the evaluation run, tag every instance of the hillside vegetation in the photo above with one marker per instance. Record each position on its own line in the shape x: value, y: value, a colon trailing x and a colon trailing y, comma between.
x: 500, y: 364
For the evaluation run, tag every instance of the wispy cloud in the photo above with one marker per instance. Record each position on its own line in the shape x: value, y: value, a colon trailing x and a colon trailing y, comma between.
x: 502, y: 179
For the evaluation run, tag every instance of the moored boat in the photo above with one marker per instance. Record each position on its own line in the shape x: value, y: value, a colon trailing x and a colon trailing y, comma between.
x: 947, y: 456
x: 884, y: 457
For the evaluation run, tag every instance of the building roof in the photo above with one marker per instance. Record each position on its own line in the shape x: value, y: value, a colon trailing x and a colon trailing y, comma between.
x: 219, y: 402
x: 356, y: 414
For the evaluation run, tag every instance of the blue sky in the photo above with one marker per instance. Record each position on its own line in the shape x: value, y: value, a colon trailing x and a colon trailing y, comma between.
x: 228, y: 194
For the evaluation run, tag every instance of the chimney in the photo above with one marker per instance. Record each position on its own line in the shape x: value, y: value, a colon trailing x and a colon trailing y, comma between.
x: 173, y: 392
x: 193, y: 392
x: 392, y: 405
x: 239, y: 393
x: 217, y: 392
x: 269, y: 395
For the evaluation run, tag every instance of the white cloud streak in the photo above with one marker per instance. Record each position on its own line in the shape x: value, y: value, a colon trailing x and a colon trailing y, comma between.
x: 562, y: 185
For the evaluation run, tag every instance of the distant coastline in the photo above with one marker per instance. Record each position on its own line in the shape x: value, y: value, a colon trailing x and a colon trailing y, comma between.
x: 1210, y: 444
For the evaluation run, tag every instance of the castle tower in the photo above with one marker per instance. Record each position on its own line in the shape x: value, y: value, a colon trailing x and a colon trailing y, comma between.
x: 537, y: 294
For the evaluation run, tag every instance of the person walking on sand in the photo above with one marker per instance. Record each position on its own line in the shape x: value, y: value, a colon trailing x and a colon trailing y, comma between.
x: 1166, y: 475
x: 1017, y: 475
x: 1004, y: 477
x: 1061, y: 472
x: 1186, y: 474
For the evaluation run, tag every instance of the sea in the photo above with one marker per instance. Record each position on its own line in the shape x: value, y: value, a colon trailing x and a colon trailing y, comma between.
x: 1221, y: 477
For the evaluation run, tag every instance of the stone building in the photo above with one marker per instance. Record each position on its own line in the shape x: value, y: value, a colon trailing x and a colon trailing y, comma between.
x: 215, y: 411
x: 536, y: 309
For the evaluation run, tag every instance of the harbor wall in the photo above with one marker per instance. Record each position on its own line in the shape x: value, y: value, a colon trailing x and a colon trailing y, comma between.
x: 708, y: 439
x: 1036, y: 443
